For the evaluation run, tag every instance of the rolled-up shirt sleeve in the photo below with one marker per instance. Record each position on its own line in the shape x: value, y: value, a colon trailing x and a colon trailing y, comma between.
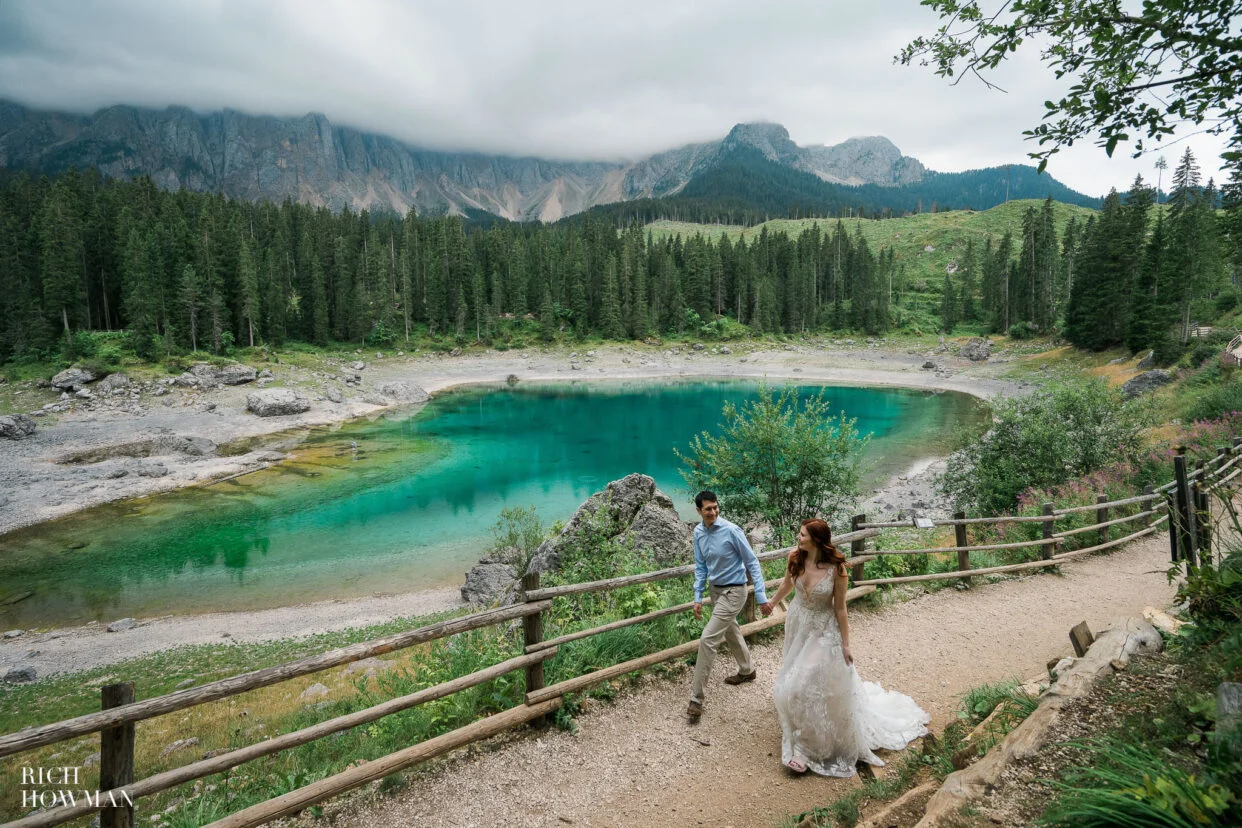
x: 700, y: 569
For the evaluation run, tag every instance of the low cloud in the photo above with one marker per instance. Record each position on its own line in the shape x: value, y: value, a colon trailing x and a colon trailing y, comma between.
x: 550, y: 78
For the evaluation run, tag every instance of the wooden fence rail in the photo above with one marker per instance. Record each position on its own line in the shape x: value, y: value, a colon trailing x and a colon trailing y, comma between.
x: 1182, y: 504
x: 149, y: 708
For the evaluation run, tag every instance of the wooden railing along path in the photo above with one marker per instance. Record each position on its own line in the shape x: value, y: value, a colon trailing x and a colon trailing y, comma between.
x: 1185, y: 499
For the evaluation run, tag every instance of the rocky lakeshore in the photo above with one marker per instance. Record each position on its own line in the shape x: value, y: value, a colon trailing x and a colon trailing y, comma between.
x: 72, y: 452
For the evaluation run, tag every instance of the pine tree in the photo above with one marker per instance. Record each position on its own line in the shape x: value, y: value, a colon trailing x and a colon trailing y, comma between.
x: 968, y: 284
x: 1146, y: 325
x: 192, y: 299
x: 610, y: 308
x: 62, y: 256
x: 948, y: 307
x: 248, y: 280
x: 320, y: 326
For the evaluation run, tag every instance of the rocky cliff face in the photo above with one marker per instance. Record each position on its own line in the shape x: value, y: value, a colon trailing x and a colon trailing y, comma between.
x: 310, y: 160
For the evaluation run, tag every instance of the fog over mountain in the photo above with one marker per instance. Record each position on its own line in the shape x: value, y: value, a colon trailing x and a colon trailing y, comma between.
x: 312, y: 161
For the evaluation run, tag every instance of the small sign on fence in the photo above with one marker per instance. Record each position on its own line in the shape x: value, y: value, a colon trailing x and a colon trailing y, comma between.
x: 924, y: 523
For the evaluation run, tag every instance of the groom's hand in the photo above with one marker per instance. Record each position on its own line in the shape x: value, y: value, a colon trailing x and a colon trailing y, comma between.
x: 766, y: 608
x: 698, y: 610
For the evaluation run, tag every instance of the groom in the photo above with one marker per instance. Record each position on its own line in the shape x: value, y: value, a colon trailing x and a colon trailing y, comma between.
x: 723, y: 556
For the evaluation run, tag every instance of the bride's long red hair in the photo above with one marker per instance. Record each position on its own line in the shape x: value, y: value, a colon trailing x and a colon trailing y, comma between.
x: 821, y: 534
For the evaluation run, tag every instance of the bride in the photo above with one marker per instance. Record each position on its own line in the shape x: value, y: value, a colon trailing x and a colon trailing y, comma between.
x: 830, y: 718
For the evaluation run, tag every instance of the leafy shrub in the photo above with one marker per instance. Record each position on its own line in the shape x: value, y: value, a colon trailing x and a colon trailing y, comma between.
x: 778, y: 461
x: 1207, y: 347
x: 1216, y: 401
x: 1226, y: 302
x: 723, y: 329
x: 1043, y: 440
x: 1022, y: 330
x: 1167, y: 350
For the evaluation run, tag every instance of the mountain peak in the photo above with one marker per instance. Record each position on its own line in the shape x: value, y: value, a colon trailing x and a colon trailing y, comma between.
x: 771, y: 139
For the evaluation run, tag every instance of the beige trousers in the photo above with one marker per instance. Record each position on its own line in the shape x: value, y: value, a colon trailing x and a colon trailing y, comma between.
x: 722, y: 628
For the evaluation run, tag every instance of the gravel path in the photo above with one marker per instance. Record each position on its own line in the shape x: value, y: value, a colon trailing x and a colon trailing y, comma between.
x: 636, y: 762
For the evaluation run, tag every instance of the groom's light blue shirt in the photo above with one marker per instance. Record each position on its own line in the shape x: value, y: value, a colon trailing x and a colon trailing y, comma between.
x: 722, y: 555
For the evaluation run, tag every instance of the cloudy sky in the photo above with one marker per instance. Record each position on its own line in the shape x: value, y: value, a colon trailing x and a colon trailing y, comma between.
x: 569, y: 79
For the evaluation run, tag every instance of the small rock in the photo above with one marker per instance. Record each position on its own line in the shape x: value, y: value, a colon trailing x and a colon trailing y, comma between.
x: 91, y: 761
x: 929, y: 366
x: 16, y: 426
x: 122, y: 625
x: 184, y: 683
x: 1228, y: 706
x: 20, y: 675
x: 14, y: 633
x: 180, y: 744
x: 315, y: 691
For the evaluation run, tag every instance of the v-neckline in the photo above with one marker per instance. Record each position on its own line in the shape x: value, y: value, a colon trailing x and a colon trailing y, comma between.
x: 815, y: 586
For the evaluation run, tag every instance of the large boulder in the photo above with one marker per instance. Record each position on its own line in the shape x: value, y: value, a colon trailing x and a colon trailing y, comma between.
x: 617, y: 511
x: 276, y: 402
x: 112, y: 382
x: 206, y: 375
x: 72, y: 379
x: 660, y: 530
x: 1147, y: 382
x: 489, y: 583
x: 16, y: 426
x: 236, y: 374
x: 978, y: 349
x: 403, y: 392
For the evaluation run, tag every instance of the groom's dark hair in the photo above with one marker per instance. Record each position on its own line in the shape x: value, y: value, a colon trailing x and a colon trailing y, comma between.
x: 705, y: 496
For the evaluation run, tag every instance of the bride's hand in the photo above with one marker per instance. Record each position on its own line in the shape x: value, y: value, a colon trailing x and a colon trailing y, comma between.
x: 849, y: 657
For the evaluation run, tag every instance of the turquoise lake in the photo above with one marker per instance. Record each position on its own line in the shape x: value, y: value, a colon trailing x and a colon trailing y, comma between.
x: 407, y: 501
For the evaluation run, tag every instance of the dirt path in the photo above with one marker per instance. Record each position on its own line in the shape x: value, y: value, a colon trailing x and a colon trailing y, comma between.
x: 637, y: 763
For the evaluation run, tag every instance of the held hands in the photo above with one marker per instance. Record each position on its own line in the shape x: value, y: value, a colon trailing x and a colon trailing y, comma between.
x: 849, y: 657
x: 766, y: 608
x: 698, y: 610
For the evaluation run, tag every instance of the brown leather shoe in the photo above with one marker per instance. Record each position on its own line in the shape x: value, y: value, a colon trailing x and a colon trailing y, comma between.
x: 694, y: 712
x: 741, y: 678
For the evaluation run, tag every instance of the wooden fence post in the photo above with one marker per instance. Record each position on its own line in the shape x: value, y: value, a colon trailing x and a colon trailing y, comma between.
x: 532, y: 633
x: 1050, y: 527
x: 1101, y: 516
x: 963, y: 557
x: 748, y: 609
x: 1170, y: 498
x: 1203, y: 522
x: 1184, y: 523
x: 1148, y: 505
x: 856, y: 547
x: 116, y: 756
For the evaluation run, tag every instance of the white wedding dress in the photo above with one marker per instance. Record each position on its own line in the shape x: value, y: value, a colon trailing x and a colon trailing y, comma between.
x: 829, y: 716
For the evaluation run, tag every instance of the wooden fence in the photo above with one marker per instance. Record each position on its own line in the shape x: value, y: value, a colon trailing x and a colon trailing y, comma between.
x: 1185, y: 500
